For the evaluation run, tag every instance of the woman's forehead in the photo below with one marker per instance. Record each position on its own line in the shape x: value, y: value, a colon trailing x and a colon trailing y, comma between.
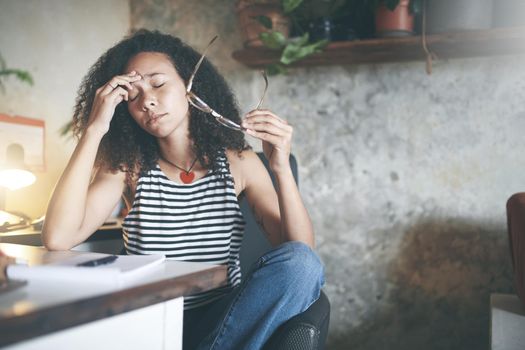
x: 150, y: 63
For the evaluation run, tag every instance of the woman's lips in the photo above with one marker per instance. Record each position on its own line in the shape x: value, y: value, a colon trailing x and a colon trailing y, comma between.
x: 153, y: 118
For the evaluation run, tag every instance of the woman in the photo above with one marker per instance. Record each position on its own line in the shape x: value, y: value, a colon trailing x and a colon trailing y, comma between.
x: 146, y: 133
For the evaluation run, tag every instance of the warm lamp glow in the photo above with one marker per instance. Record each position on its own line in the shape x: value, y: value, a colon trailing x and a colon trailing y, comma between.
x: 14, y: 179
x: 4, y: 216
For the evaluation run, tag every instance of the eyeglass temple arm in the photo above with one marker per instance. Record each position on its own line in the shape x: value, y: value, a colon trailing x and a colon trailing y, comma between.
x: 190, y: 82
x: 223, y: 119
x: 263, y: 72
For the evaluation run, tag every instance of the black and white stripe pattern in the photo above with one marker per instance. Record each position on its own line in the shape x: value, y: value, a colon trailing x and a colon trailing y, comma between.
x: 199, y: 222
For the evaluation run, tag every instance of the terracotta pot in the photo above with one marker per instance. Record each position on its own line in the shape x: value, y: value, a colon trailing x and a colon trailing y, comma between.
x: 399, y: 22
x: 250, y: 26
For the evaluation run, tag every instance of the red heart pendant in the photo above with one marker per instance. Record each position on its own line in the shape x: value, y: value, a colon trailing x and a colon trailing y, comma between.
x: 187, y: 177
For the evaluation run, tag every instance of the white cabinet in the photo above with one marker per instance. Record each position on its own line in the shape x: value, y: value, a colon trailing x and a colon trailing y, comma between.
x: 155, y: 327
x: 507, y: 322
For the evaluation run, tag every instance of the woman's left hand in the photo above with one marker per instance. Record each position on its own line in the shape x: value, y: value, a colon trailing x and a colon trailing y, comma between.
x: 275, y: 134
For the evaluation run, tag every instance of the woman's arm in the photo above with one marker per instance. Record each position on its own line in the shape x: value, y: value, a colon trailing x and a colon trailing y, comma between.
x: 280, y: 212
x: 77, y: 208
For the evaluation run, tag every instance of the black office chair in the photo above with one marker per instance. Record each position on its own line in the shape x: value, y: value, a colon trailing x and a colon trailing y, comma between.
x: 306, y: 331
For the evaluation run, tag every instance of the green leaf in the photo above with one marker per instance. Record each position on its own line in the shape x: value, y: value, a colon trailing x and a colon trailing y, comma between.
x: 24, y: 76
x: 265, y: 21
x: 290, y: 5
x: 301, y: 40
x: 275, y: 69
x: 21, y: 75
x: 293, y: 53
x: 67, y: 128
x: 273, y: 40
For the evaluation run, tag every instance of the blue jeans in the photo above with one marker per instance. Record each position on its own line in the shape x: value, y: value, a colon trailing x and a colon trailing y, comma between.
x: 281, y: 284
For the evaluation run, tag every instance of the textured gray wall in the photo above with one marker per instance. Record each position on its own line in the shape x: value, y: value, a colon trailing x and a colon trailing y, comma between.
x: 405, y: 176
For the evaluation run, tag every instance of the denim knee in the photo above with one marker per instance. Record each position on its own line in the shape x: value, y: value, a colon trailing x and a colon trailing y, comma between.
x: 297, y: 264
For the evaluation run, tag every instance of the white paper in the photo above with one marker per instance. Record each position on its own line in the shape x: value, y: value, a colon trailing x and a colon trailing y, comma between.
x: 124, y: 269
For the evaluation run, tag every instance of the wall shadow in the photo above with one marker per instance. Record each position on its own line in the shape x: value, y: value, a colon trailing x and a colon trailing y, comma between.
x: 441, y: 281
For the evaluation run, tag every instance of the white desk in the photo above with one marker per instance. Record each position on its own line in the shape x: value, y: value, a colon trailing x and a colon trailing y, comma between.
x: 507, y: 322
x: 142, y: 314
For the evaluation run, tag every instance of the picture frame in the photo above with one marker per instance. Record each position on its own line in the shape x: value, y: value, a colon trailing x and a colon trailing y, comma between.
x: 27, y: 132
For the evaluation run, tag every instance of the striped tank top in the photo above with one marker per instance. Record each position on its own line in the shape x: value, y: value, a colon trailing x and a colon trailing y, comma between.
x: 198, y: 222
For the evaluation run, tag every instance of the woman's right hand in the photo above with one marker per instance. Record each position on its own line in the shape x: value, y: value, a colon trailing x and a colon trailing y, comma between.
x: 107, y: 97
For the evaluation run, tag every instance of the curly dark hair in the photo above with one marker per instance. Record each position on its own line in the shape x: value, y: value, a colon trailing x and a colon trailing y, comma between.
x: 126, y: 146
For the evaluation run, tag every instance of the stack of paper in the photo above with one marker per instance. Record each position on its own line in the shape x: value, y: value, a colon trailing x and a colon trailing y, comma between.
x: 124, y: 269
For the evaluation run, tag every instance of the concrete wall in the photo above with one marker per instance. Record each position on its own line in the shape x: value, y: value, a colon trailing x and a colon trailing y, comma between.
x: 56, y: 41
x: 405, y: 176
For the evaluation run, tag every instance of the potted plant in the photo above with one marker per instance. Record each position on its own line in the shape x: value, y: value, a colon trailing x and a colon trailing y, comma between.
x: 260, y: 16
x: 324, y: 19
x: 394, y: 18
x: 312, y: 25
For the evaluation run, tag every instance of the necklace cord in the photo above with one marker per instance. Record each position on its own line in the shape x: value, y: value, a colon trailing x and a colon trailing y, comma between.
x: 180, y: 168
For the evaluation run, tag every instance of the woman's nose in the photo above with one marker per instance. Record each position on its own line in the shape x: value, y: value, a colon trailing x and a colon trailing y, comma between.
x: 149, y: 102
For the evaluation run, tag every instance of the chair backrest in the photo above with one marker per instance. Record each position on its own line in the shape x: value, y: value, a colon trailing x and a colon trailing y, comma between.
x: 255, y: 243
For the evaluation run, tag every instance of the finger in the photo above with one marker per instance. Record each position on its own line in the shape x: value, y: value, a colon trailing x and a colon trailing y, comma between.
x: 264, y: 136
x: 271, y: 127
x: 118, y: 95
x: 283, y: 136
x: 121, y: 80
x: 256, y: 112
x: 118, y: 81
x: 265, y: 122
x: 265, y: 119
x: 131, y: 77
x: 123, y: 93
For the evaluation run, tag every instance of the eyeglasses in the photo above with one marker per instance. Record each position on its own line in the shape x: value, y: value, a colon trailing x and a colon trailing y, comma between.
x: 198, y: 103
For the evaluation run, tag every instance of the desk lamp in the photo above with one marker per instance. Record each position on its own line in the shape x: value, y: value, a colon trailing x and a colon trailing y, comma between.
x: 14, y: 175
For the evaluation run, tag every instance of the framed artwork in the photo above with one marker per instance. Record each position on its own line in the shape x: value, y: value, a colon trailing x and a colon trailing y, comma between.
x: 28, y: 133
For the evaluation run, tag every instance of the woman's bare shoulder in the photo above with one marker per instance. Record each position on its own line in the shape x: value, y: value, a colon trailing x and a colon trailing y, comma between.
x: 243, y: 165
x: 241, y: 159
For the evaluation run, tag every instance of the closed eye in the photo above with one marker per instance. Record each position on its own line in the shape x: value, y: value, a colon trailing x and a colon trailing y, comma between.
x: 134, y: 97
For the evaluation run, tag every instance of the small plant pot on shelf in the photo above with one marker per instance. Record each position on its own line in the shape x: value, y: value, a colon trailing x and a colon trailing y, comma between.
x: 330, y: 29
x: 248, y: 14
x: 458, y: 15
x: 396, y: 23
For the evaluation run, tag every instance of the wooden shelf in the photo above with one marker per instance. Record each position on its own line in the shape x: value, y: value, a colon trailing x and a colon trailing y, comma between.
x: 479, y: 43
